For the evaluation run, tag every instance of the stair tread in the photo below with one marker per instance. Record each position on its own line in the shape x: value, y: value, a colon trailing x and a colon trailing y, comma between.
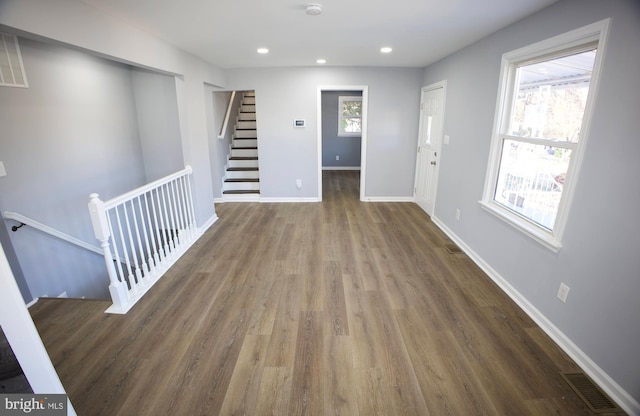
x: 243, y: 158
x: 242, y: 192
x: 242, y: 169
x: 245, y: 148
x: 242, y: 180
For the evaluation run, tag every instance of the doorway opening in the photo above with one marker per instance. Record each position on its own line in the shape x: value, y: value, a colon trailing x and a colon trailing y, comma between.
x: 348, y: 143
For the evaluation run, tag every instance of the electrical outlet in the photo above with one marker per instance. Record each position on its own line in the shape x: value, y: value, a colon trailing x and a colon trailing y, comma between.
x: 563, y: 292
x: 458, y: 214
x: 299, y: 183
x: 337, y: 157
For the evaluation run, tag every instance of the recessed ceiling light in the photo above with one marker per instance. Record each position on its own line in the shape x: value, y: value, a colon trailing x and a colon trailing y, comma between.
x: 314, y: 9
x: 386, y: 49
x: 321, y: 61
x: 263, y: 50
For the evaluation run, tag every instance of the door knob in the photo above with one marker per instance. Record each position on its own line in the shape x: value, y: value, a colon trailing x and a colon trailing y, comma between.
x: 433, y: 163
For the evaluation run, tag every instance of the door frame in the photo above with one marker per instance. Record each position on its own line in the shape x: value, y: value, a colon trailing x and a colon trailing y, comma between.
x: 364, y: 89
x: 424, y: 90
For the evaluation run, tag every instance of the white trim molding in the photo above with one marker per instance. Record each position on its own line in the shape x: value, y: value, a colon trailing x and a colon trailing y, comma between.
x: 341, y: 168
x: 389, y: 199
x: 363, y: 140
x: 613, y: 389
x: 288, y: 200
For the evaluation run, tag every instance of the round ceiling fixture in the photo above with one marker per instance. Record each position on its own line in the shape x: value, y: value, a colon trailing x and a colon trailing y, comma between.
x: 314, y: 9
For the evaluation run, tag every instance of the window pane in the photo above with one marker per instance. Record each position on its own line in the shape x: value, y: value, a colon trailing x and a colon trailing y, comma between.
x: 351, y: 125
x: 531, y: 179
x: 550, y: 97
x: 351, y: 108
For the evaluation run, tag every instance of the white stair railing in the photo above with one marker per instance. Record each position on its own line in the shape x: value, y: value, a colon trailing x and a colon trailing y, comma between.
x: 142, y: 234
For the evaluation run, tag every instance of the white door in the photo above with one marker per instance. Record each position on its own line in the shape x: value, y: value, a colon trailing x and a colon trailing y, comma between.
x: 429, y: 144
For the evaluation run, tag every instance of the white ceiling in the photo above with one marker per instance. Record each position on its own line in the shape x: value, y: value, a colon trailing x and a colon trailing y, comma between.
x: 347, y: 33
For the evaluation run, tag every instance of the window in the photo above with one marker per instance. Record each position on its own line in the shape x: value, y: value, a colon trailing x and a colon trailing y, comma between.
x: 543, y: 114
x: 349, y: 116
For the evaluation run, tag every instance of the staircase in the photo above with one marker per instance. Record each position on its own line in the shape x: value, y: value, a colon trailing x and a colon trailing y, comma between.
x: 242, y: 179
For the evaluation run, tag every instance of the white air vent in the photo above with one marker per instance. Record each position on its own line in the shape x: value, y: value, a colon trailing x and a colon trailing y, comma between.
x: 11, y: 68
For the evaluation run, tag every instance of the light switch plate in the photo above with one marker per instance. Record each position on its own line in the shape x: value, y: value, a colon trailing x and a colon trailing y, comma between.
x: 3, y: 172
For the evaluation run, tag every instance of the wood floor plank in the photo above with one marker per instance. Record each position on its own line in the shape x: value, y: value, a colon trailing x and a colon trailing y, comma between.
x: 242, y: 394
x: 335, y: 306
x: 307, y: 383
x: 440, y: 369
x: 275, y: 391
x: 373, y: 391
x: 341, y: 307
x: 340, y: 398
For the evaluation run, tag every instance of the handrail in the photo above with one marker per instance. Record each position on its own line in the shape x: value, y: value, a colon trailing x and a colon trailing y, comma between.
x: 51, y: 231
x: 146, y: 188
x: 225, y: 123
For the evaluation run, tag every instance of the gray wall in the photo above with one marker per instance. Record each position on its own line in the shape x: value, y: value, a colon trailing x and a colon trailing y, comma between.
x: 158, y: 123
x: 287, y: 153
x: 72, y: 132
x: 348, y: 148
x: 600, y: 256
x: 5, y: 241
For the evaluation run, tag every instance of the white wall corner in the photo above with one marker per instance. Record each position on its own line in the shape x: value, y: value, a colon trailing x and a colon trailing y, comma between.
x: 207, y: 224
x: 613, y: 389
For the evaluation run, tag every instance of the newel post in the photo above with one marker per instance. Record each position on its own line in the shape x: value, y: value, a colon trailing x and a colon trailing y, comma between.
x: 117, y: 289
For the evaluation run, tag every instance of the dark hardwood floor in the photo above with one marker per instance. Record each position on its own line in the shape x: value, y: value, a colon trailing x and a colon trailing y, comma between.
x: 332, y: 308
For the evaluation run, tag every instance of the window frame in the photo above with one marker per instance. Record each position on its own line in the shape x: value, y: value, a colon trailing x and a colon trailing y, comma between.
x: 341, y: 100
x: 595, y: 33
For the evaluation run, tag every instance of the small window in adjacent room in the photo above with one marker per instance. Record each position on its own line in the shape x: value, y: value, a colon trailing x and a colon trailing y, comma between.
x: 542, y: 119
x: 11, y: 68
x: 350, y: 116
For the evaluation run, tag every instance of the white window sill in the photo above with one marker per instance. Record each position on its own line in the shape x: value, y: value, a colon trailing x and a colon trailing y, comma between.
x: 531, y: 230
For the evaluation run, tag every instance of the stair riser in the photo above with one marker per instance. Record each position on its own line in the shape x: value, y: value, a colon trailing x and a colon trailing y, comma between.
x: 246, y: 133
x: 245, y: 143
x: 246, y: 125
x: 243, y: 174
x: 249, y: 100
x: 241, y: 186
x: 243, y: 163
x: 246, y: 116
x: 251, y: 108
x: 244, y: 152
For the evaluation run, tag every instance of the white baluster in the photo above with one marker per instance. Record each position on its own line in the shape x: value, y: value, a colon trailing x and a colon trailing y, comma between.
x: 148, y: 232
x: 136, y: 262
x: 130, y: 276
x: 143, y: 263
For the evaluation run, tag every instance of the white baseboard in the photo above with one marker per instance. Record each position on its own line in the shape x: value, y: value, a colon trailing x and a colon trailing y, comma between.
x: 597, y: 374
x: 341, y: 168
x: 208, y: 224
x: 296, y: 199
x: 33, y: 302
x: 389, y: 199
